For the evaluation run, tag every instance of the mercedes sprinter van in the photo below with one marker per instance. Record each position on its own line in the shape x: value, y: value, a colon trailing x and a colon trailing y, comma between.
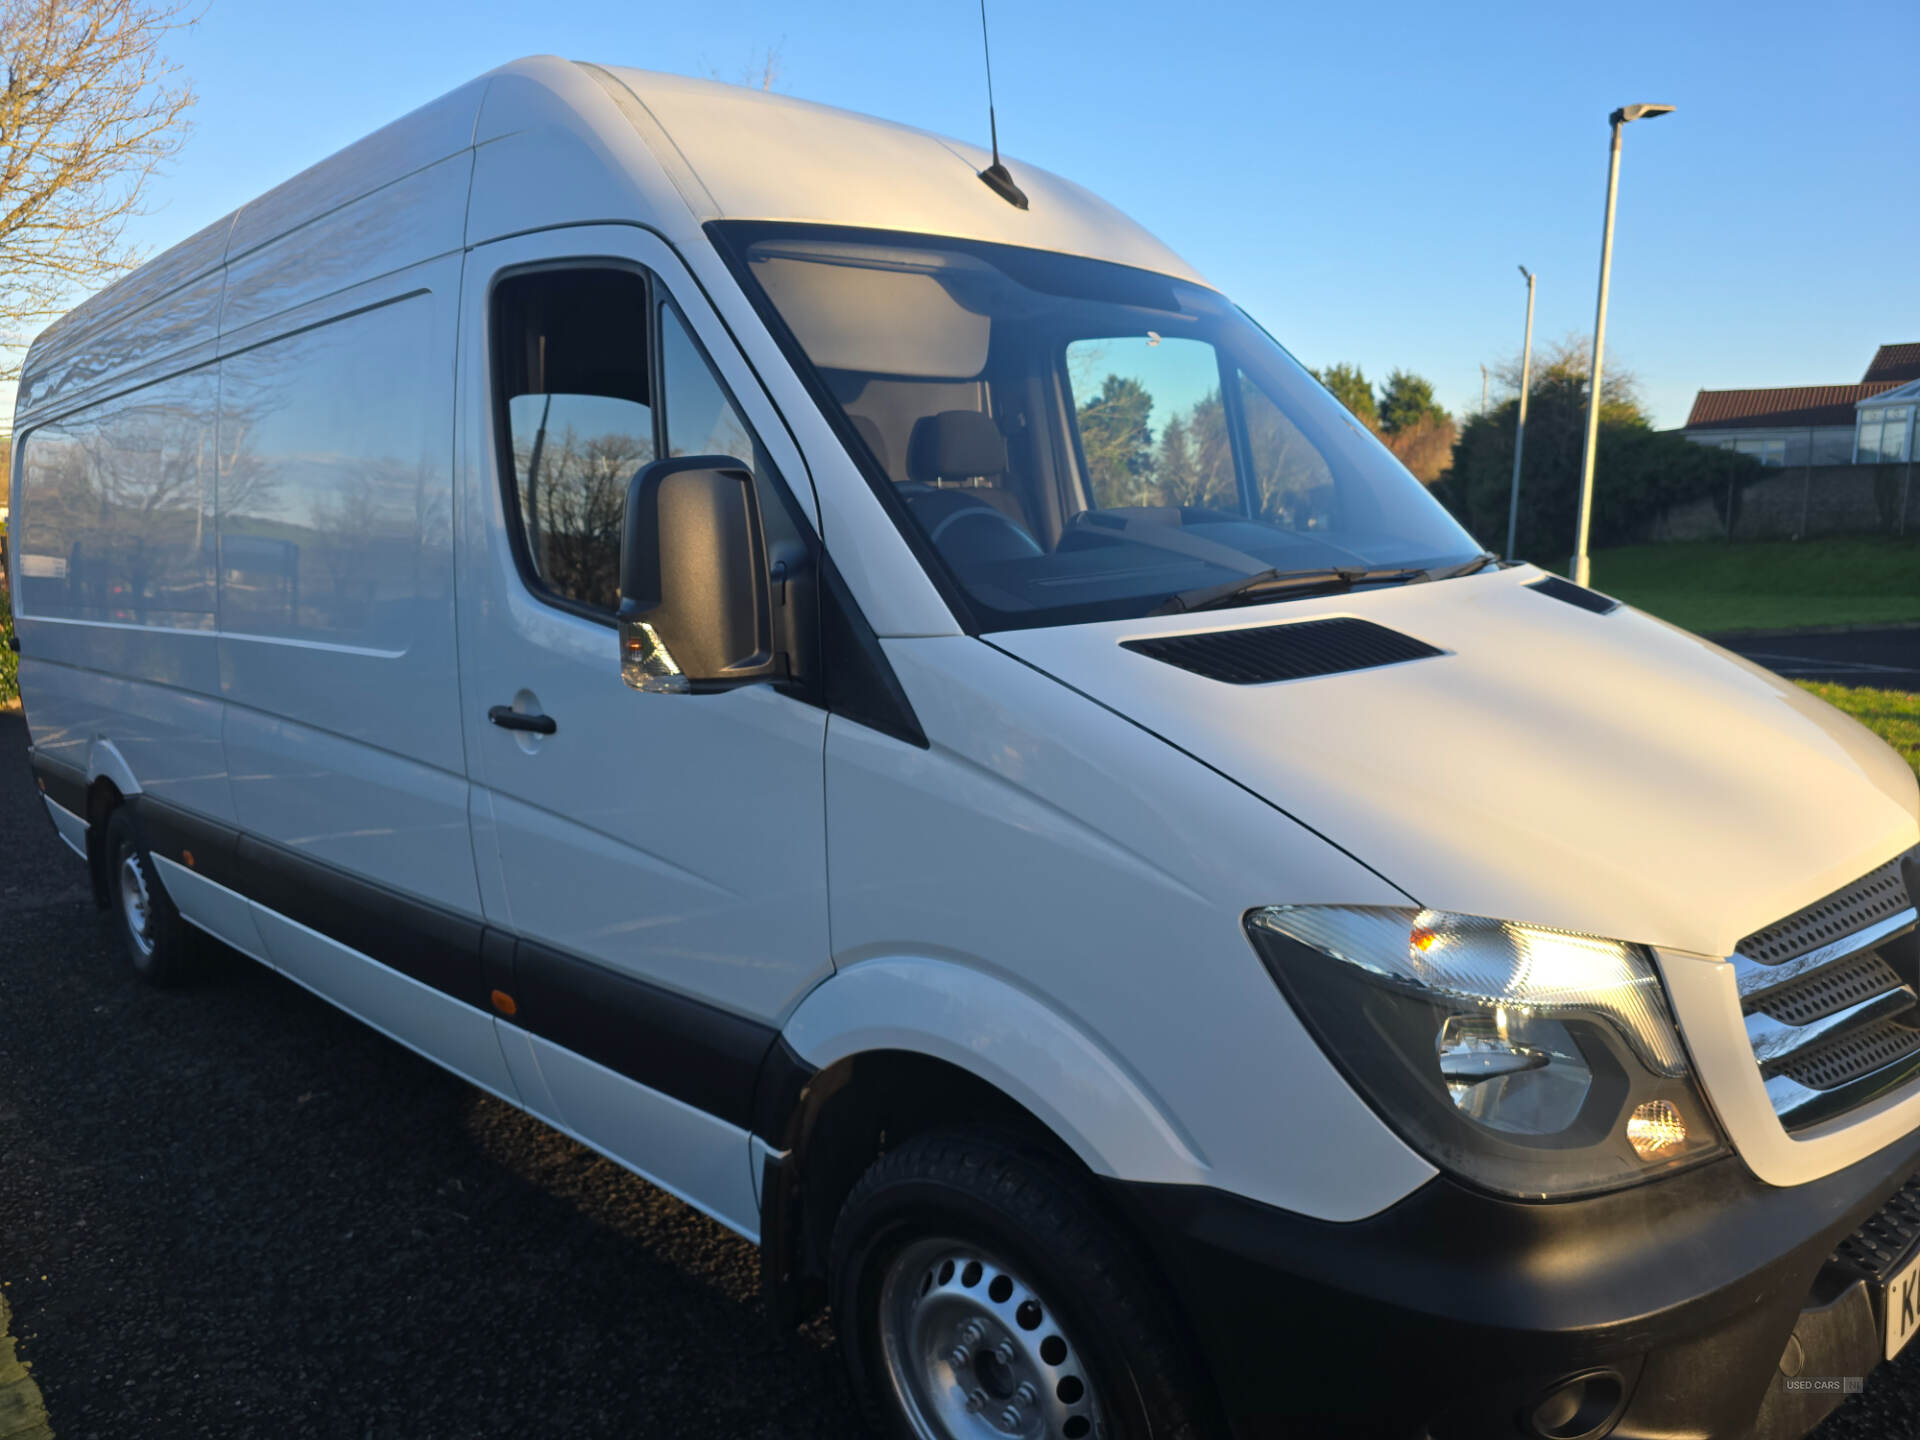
x: 852, y: 681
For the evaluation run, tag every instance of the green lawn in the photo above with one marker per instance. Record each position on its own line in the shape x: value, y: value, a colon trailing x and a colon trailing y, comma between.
x: 1710, y: 585
x: 1893, y: 715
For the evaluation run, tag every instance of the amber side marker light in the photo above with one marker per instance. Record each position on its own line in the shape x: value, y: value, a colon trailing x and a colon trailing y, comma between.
x: 186, y: 858
x: 503, y: 1002
x: 1656, y: 1130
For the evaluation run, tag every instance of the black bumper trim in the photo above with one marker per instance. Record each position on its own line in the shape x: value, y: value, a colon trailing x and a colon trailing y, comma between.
x: 1452, y: 1311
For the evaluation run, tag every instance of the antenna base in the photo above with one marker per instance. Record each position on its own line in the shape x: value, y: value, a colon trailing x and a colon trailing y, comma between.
x: 997, y: 178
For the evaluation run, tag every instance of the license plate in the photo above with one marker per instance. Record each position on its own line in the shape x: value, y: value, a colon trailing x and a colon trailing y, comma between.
x: 1903, y: 1306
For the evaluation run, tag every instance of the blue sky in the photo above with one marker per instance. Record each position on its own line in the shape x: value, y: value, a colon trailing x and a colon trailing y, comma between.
x: 1363, y: 179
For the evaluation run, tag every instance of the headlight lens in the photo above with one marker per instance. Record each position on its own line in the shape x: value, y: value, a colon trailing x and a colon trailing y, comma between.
x: 1531, y: 1061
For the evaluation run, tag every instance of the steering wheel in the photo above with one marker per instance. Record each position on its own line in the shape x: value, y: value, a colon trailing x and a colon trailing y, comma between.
x: 983, y: 511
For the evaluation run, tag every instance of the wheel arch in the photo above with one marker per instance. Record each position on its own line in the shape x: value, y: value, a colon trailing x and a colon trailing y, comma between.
x: 893, y: 1048
x: 103, y: 798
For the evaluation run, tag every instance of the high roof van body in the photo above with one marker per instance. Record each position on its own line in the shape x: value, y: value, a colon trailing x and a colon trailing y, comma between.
x: 875, y: 697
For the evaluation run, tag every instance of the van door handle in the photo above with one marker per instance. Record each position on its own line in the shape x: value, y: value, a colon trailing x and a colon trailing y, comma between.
x: 508, y: 718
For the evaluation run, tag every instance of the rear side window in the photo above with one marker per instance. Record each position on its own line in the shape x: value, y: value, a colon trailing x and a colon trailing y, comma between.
x: 574, y: 371
x: 115, y: 508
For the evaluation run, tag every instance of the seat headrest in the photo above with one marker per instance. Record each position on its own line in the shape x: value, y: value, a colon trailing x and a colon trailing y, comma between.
x: 955, y: 445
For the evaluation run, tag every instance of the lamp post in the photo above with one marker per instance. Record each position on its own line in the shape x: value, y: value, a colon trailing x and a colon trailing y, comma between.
x: 1625, y: 115
x: 1520, y: 428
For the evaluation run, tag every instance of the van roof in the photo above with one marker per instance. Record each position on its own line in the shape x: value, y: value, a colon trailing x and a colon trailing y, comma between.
x: 762, y: 156
x: 728, y: 152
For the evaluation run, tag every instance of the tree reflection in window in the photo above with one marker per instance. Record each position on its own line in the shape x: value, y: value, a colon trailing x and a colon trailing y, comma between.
x: 571, y: 352
x: 572, y: 457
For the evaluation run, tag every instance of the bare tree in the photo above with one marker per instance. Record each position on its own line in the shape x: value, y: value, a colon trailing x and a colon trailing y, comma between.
x: 91, y: 107
x: 761, y: 72
x: 1570, y: 359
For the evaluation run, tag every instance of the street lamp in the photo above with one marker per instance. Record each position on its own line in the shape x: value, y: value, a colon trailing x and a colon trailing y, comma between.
x: 1625, y: 115
x: 1520, y: 429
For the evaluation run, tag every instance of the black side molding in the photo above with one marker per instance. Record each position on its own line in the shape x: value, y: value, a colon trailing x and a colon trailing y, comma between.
x: 699, y: 1054
x: 703, y: 1056
x: 1578, y: 596
x: 64, y: 784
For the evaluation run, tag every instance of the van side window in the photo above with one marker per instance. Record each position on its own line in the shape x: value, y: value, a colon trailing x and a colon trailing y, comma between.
x: 576, y: 394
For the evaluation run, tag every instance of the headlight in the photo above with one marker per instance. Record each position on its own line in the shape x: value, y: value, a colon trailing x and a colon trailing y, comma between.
x: 1529, y: 1061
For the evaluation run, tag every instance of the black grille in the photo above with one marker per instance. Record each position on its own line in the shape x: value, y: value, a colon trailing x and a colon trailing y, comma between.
x: 1858, y: 1052
x: 1875, y: 1250
x: 1828, y: 990
x: 1863, y: 903
x: 1568, y: 593
x: 1285, y: 652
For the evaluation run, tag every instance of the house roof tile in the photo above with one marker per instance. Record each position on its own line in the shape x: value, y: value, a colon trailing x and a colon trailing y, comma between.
x: 1792, y: 407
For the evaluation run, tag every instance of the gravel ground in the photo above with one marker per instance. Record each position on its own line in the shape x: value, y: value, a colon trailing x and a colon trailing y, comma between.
x: 234, y: 1211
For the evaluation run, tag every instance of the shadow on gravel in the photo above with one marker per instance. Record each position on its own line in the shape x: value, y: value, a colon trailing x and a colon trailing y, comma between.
x: 254, y: 1216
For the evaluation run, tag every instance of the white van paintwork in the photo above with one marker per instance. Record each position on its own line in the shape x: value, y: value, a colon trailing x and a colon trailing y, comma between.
x: 1049, y: 895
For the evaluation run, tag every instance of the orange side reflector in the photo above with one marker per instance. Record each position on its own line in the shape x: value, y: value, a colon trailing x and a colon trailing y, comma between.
x: 186, y: 857
x: 503, y: 1002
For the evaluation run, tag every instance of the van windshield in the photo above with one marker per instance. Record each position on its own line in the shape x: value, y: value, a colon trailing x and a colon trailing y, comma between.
x: 1064, y: 440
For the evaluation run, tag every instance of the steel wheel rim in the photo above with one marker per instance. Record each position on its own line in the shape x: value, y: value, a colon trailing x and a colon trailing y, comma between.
x: 135, y: 905
x: 974, y: 1352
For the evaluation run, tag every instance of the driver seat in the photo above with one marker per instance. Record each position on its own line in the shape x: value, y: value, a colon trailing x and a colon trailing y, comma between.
x: 964, y: 449
x: 955, y: 459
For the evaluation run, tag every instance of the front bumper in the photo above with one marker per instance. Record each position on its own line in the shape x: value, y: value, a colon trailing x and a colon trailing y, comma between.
x: 1453, y: 1313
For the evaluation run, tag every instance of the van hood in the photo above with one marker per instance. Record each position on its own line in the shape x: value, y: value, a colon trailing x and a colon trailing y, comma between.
x: 1606, y: 773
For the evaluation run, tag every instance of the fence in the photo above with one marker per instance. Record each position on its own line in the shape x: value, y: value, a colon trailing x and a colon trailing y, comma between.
x: 1802, y: 501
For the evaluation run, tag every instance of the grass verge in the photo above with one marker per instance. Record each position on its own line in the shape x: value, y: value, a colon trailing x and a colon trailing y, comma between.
x: 9, y: 662
x: 1712, y: 586
x: 1893, y: 715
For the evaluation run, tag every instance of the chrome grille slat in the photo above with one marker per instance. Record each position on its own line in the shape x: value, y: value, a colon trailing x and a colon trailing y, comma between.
x: 1798, y: 1105
x: 1874, y: 896
x: 1827, y: 992
x: 1756, y: 977
x: 1831, y: 1023
x: 1853, y: 1055
x: 1777, y: 1044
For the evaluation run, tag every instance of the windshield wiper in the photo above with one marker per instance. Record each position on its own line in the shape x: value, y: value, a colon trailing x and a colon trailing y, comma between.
x: 1273, y: 584
x: 1465, y: 567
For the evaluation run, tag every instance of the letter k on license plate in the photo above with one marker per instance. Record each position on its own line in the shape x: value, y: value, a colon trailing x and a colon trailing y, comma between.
x: 1903, y: 1306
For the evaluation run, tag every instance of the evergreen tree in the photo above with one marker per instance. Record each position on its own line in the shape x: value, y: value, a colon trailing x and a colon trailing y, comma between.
x: 1406, y: 400
x: 1118, y: 443
x: 1349, y: 386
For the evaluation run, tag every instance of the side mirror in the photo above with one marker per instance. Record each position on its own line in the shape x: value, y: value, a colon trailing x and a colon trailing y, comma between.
x: 694, y: 610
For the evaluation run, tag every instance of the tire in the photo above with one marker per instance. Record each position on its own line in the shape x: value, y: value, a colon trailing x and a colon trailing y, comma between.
x: 978, y: 1291
x: 162, y: 948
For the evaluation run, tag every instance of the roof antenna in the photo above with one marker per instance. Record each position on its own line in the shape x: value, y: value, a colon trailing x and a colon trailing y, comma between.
x: 996, y: 175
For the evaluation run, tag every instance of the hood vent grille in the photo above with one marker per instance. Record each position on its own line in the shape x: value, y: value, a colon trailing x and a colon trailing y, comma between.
x: 1578, y: 596
x: 1296, y: 651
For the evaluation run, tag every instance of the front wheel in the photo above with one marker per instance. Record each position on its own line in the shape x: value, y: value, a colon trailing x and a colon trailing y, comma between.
x: 981, y: 1295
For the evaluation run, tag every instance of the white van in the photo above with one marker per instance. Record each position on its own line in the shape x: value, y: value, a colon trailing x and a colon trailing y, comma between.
x: 867, y: 692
